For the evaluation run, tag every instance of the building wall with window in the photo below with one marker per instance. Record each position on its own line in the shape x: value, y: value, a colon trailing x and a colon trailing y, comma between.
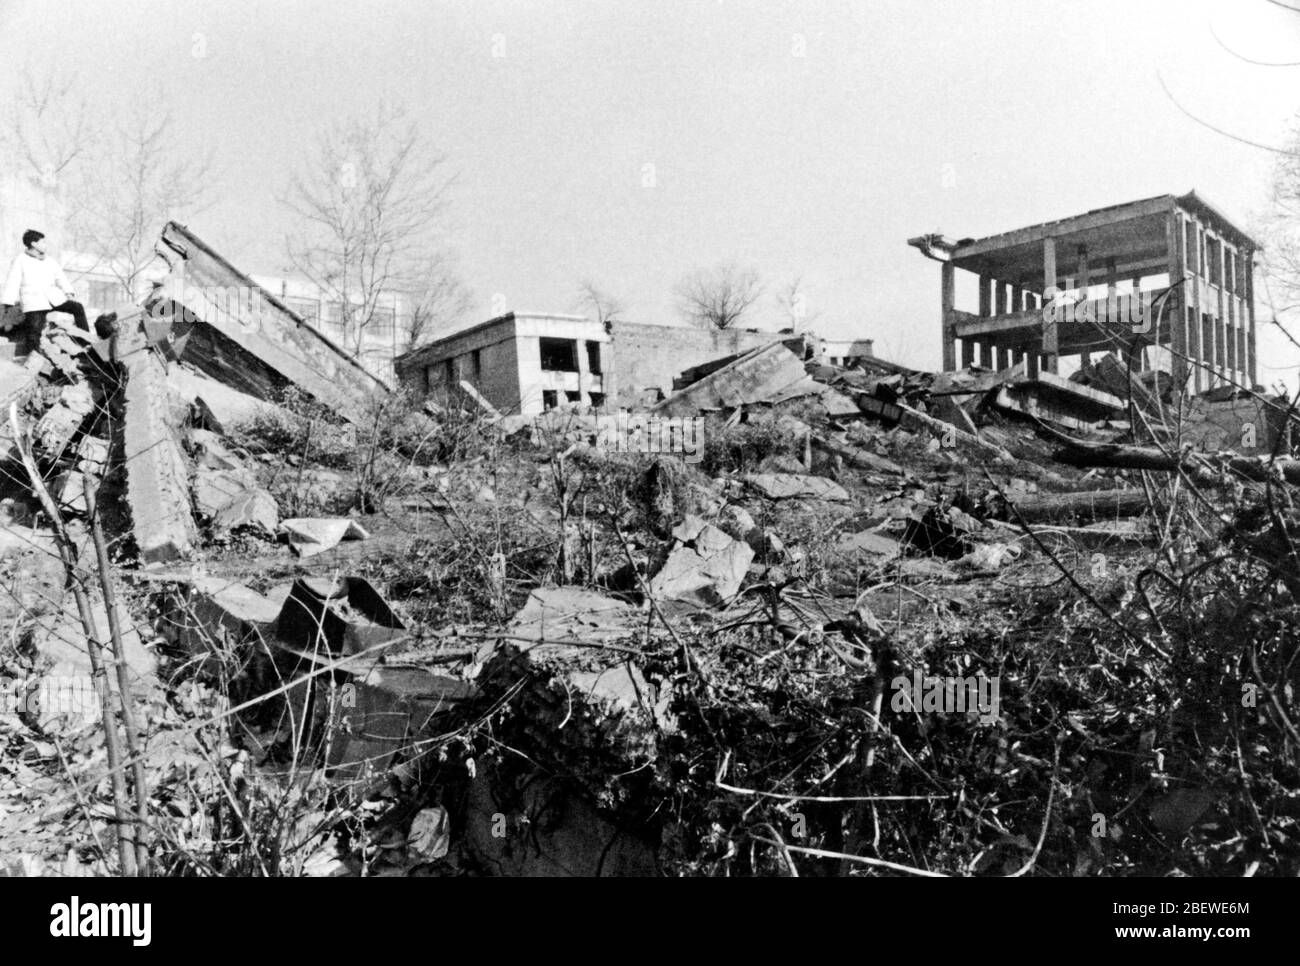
x: 521, y: 362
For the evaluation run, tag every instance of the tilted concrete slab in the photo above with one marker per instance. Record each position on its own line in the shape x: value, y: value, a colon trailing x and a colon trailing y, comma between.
x: 1049, y: 396
x: 774, y: 372
x: 157, y: 477
x: 233, y: 330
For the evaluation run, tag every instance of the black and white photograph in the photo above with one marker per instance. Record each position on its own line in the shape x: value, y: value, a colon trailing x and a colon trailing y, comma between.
x: 683, y: 439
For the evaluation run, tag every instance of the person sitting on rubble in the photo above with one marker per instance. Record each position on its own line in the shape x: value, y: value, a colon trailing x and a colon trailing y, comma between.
x: 39, y: 285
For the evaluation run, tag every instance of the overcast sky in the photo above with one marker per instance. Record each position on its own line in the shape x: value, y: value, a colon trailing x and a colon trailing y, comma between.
x: 800, y: 138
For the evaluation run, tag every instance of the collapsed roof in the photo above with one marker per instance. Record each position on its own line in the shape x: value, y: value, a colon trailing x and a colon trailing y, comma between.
x: 232, y: 329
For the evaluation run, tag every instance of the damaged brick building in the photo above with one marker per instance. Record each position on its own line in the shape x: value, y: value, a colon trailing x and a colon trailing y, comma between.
x: 530, y: 362
x: 1176, y: 246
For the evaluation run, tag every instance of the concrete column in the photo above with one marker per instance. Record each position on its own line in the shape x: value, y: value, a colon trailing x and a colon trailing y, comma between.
x: 1175, y: 239
x: 945, y: 332
x: 1051, y: 333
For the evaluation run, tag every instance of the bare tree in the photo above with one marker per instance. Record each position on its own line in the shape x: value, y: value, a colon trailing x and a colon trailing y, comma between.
x: 48, y: 128
x: 371, y: 199
x: 719, y: 297
x: 793, y: 302
x: 595, y: 300
x: 137, y: 181
x: 437, y: 298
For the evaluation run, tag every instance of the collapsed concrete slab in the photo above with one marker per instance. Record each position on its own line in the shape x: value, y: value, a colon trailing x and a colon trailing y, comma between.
x: 790, y: 486
x: 771, y: 374
x: 1049, y: 396
x: 705, y: 567
x: 157, y: 476
x: 241, y: 335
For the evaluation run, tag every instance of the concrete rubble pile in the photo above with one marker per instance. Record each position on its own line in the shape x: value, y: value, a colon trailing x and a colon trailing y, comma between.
x: 137, y: 409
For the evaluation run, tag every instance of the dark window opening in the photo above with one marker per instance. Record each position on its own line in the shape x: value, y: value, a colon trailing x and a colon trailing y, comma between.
x: 593, y: 358
x: 476, y: 366
x: 550, y: 398
x: 559, y: 355
x: 597, y: 399
x: 448, y: 372
x: 573, y: 397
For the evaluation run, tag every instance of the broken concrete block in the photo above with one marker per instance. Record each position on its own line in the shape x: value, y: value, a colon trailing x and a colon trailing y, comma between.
x: 61, y: 421
x: 785, y: 486
x: 157, y: 478
x: 69, y: 489
x: 210, y: 451
x: 255, y: 509
x: 705, y: 568
x: 232, y: 500
x: 309, y: 536
x: 214, y: 489
x: 213, y: 614
x: 430, y: 834
x: 553, y: 613
x: 586, y: 713
x: 375, y: 713
x: 344, y: 617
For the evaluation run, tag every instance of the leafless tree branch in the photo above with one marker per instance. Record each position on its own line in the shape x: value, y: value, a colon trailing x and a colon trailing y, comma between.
x: 719, y: 298
x: 370, y: 202
x: 599, y: 303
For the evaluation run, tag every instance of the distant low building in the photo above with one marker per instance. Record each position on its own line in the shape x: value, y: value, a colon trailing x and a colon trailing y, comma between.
x: 525, y: 362
x: 529, y: 362
x: 844, y: 352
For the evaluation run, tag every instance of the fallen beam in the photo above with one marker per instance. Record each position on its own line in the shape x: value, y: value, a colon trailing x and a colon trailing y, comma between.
x: 919, y: 422
x: 233, y: 330
x: 157, y: 481
x: 1076, y: 452
x: 857, y: 456
x: 1092, y: 505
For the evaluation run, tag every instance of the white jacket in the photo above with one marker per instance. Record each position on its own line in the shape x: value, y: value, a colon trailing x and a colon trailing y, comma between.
x: 37, y: 283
